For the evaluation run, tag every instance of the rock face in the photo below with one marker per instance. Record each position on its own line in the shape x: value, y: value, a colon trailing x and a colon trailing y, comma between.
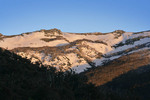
x: 75, y: 50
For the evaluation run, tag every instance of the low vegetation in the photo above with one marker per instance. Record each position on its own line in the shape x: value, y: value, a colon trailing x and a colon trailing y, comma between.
x: 141, y: 32
x: 118, y: 33
x: 52, y: 32
x: 123, y: 52
x: 130, y: 41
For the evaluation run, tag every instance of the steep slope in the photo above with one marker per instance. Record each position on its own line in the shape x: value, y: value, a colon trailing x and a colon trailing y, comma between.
x: 77, y: 51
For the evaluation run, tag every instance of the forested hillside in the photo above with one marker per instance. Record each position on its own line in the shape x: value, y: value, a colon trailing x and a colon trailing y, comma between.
x: 22, y: 80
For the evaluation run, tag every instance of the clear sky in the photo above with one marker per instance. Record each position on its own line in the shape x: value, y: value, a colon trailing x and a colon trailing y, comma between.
x: 19, y: 16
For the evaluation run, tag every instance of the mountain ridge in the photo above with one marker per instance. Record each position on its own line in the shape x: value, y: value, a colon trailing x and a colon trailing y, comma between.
x: 77, y: 51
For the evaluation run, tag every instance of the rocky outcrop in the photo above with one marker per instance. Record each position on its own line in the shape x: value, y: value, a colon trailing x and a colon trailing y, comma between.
x: 52, y: 32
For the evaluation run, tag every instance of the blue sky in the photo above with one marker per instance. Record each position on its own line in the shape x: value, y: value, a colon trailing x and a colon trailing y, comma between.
x: 19, y: 16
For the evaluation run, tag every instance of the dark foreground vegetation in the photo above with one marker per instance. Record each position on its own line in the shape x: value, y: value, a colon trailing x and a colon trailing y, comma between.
x: 22, y: 80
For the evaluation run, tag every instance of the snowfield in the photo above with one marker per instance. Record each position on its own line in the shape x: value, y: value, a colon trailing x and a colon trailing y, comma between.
x: 31, y: 40
x: 74, y: 51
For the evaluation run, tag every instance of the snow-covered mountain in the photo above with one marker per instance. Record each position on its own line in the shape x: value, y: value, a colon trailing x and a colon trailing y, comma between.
x: 77, y: 51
